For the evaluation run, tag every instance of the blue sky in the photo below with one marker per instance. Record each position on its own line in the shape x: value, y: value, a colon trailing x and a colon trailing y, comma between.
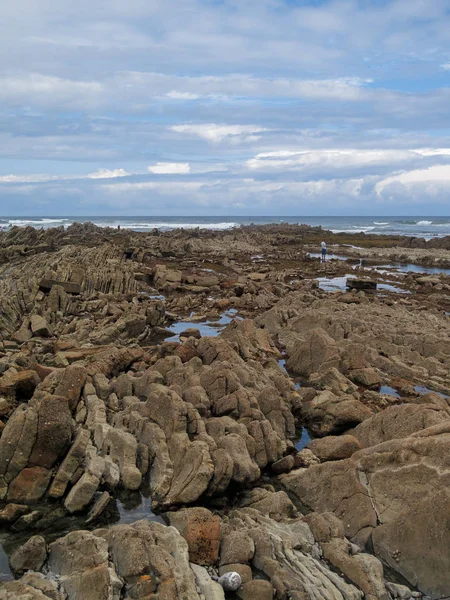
x: 225, y: 107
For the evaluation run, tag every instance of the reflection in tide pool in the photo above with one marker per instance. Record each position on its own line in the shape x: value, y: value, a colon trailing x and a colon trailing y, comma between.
x: 339, y: 284
x: 303, y: 440
x: 206, y: 328
x: 421, y: 389
x: 5, y: 571
x: 134, y: 507
x: 389, y: 391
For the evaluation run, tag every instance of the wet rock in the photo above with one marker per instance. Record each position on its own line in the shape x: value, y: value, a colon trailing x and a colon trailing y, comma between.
x: 284, y: 465
x: 191, y: 332
x: 29, y: 557
x: 361, y: 284
x: 12, y: 512
x: 99, y: 506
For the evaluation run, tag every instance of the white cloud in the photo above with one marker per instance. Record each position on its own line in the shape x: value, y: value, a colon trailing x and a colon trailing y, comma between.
x: 217, y: 133
x: 446, y: 66
x: 174, y: 95
x: 108, y: 174
x: 36, y: 89
x: 438, y: 174
x: 162, y: 168
x: 43, y: 178
x: 300, y: 160
x: 26, y: 178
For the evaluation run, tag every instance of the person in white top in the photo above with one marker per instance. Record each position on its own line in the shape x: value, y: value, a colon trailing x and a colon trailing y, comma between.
x: 324, y: 251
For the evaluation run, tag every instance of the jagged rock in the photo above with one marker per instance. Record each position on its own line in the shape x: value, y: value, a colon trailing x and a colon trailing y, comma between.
x: 367, y: 377
x: 19, y: 385
x: 367, y: 492
x: 398, y: 422
x: 29, y: 557
x: 70, y: 464
x: 54, y: 431
x: 40, y: 327
x: 81, y: 560
x: 328, y: 414
x: 317, y: 352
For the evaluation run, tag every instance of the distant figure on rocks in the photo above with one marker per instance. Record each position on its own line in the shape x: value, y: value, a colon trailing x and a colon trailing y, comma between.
x: 324, y: 251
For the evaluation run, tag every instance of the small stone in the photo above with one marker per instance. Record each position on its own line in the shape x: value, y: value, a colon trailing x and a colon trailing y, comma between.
x: 231, y: 581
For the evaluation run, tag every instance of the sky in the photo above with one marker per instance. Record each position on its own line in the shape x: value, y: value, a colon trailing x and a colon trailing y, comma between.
x: 225, y: 107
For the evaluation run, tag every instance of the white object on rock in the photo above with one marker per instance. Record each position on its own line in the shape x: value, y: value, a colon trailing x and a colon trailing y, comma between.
x: 231, y: 581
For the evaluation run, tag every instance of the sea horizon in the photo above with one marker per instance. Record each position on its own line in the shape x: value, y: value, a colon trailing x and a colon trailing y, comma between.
x: 425, y: 226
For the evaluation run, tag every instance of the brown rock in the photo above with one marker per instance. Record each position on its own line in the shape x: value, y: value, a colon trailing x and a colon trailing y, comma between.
x: 244, y: 571
x: 40, y: 327
x: 258, y: 589
x: 54, y: 431
x: 316, y: 352
x: 367, y: 377
x: 29, y: 557
x: 334, y: 447
x: 415, y: 543
x: 20, y: 385
x: 201, y: 529
x: 236, y: 547
x: 29, y: 486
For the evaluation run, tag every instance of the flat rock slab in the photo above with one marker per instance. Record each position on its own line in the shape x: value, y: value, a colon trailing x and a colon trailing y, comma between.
x: 361, y: 284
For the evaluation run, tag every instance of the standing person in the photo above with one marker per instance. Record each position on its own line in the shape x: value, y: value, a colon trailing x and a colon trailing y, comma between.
x: 324, y: 251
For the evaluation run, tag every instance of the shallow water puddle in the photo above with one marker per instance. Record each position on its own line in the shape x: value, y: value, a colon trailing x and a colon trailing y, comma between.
x: 421, y: 389
x: 334, y: 284
x: 303, y: 440
x: 206, y: 328
x: 5, y: 571
x: 389, y: 391
x: 420, y: 269
x: 135, y: 508
x: 329, y: 256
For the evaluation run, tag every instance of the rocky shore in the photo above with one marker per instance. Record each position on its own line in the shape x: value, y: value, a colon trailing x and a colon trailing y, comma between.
x: 207, y: 415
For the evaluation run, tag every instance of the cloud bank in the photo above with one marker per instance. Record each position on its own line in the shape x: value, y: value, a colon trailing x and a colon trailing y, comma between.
x: 276, y: 107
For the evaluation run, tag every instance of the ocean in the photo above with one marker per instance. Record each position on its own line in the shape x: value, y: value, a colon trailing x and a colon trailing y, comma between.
x: 426, y: 227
